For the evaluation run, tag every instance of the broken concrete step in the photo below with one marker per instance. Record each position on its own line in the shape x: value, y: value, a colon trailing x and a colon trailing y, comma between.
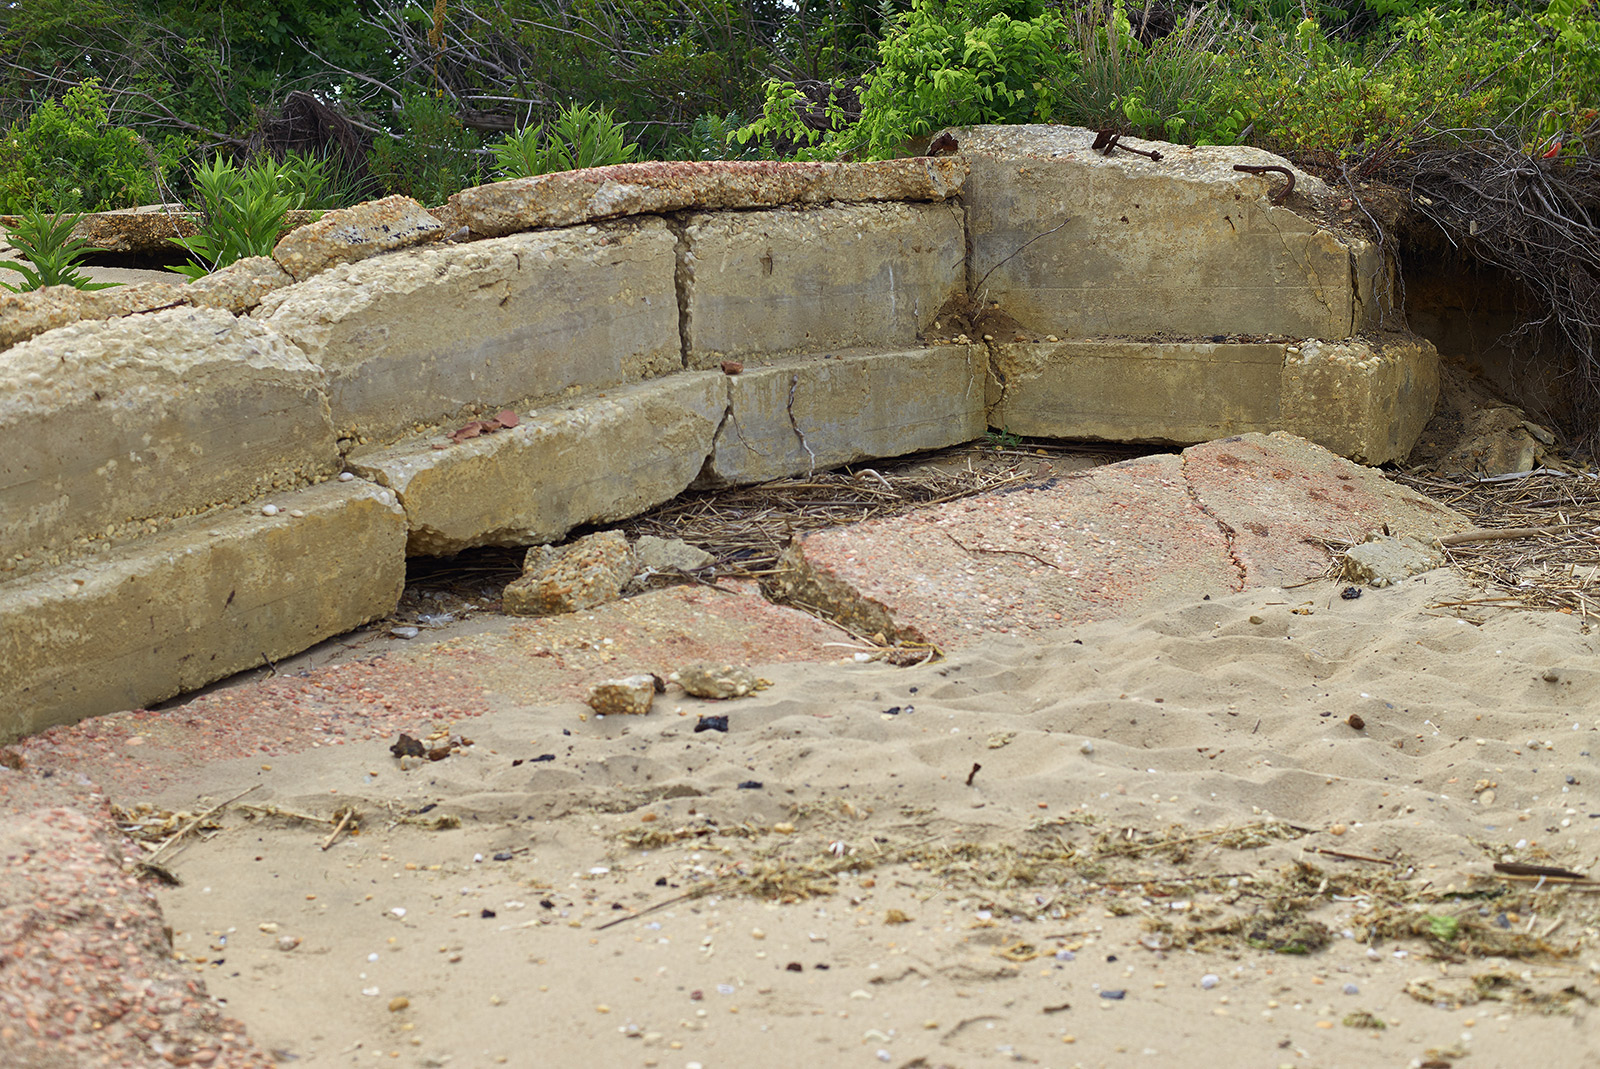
x: 607, y: 457
x: 811, y: 413
x: 1367, y: 398
x: 181, y: 609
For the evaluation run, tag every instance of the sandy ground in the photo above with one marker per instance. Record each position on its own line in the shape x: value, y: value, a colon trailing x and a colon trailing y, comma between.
x: 1124, y: 880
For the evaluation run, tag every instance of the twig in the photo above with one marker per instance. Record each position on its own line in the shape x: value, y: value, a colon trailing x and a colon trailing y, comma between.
x: 1495, y: 534
x: 1354, y: 857
x: 1017, y: 552
x: 195, y: 823
x: 345, y: 816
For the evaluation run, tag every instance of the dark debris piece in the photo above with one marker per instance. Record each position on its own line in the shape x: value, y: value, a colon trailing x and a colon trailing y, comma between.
x: 712, y: 723
x: 1350, y: 593
x: 751, y: 785
x: 408, y: 747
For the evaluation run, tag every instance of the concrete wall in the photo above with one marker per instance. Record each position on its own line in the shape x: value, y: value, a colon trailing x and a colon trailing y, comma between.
x: 239, y: 471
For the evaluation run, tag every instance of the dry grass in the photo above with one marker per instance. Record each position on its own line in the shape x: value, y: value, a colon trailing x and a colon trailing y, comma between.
x: 1556, y: 569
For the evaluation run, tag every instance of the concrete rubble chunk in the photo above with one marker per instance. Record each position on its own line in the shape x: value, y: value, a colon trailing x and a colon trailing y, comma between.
x: 1383, y: 561
x: 668, y: 555
x: 629, y: 695
x: 556, y: 579
x: 597, y: 460
x: 572, y: 197
x: 149, y: 228
x: 181, y: 609
x: 1367, y: 398
x: 346, y: 235
x: 450, y: 332
x: 151, y: 417
x: 717, y: 682
x: 1077, y: 244
x: 27, y: 315
x: 806, y: 414
x: 761, y: 285
x: 240, y: 286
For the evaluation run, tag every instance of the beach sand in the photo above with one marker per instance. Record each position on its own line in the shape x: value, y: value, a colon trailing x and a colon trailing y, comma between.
x: 1134, y: 874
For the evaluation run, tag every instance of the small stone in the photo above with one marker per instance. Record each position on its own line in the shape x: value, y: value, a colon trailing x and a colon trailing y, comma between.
x: 398, y: 1003
x: 269, y: 510
x: 708, y: 681
x: 1337, y: 829
x: 346, y: 476
x: 630, y: 695
x: 590, y: 571
x: 1210, y: 980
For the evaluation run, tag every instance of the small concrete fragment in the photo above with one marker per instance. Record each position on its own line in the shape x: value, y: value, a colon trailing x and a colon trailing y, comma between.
x: 592, y: 461
x: 239, y: 287
x: 717, y: 682
x: 1277, y: 494
x: 804, y: 415
x: 557, y: 579
x: 653, y: 554
x: 151, y: 417
x: 572, y: 197
x: 356, y: 233
x: 1077, y: 244
x: 630, y: 695
x: 448, y: 333
x: 761, y: 285
x: 1383, y: 561
x: 1367, y: 398
x: 181, y: 609
x: 27, y: 315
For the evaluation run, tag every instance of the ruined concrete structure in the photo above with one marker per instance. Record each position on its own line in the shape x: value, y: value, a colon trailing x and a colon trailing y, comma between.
x: 197, y: 478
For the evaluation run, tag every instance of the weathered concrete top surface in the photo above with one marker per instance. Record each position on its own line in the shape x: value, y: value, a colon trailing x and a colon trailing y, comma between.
x: 356, y: 233
x: 571, y: 197
x: 1199, y: 163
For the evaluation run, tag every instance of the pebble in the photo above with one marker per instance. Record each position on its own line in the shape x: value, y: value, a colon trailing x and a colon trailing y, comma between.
x: 1351, y: 989
x: 1210, y: 980
x: 269, y: 510
x: 398, y: 1003
x: 345, y: 476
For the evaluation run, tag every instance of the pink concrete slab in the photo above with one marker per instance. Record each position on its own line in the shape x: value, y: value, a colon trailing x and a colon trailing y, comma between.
x: 1236, y: 513
x: 1278, y: 494
x: 1112, y: 541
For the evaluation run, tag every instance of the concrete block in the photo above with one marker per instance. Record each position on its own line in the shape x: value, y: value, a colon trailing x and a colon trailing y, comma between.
x: 761, y: 285
x: 1366, y: 398
x: 448, y: 332
x: 806, y: 414
x: 150, y: 416
x: 1135, y: 391
x: 597, y: 460
x: 1077, y: 244
x: 179, y: 610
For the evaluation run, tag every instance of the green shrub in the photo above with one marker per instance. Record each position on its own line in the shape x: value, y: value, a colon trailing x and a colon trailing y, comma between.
x: 580, y: 137
x: 68, y: 157
x: 243, y: 210
x: 47, y: 242
x: 1165, y: 90
x: 957, y: 64
x: 713, y: 137
x: 432, y: 155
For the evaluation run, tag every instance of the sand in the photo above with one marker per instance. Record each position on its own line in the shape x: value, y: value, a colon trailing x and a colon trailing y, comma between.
x: 830, y: 883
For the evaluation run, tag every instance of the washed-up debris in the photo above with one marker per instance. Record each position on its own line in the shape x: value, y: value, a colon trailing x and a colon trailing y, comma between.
x: 711, y: 723
x: 505, y: 419
x: 445, y: 744
x: 589, y: 571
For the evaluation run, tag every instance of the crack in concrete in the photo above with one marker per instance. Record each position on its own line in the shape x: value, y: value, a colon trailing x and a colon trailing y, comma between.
x: 794, y: 384
x: 681, y: 285
x: 1225, y: 529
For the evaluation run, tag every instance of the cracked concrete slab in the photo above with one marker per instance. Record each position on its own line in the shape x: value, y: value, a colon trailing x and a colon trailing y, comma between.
x: 1243, y: 512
